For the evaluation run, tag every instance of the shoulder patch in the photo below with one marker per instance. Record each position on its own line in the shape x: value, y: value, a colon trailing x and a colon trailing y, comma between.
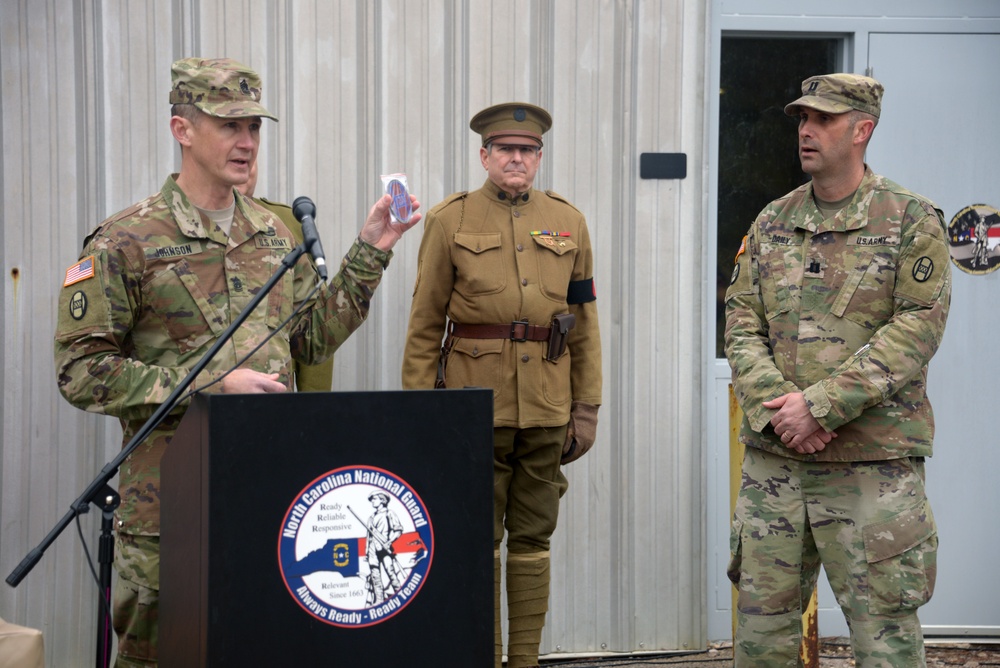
x: 80, y: 271
x: 743, y: 247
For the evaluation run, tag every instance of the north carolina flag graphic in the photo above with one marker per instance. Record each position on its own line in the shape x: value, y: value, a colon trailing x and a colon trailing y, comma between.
x: 993, y: 236
x: 407, y: 543
x: 337, y: 554
x: 341, y: 555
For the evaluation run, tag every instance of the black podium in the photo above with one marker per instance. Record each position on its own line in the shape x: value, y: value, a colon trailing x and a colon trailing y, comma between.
x: 329, y: 527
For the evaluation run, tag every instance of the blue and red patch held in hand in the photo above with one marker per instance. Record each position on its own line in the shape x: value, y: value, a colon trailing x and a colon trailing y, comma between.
x: 400, y: 208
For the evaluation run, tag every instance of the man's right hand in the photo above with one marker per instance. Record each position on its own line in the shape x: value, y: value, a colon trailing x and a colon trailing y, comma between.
x: 815, y: 441
x: 248, y: 381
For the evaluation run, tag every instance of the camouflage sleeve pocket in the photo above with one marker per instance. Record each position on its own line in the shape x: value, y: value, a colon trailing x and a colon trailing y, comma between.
x: 902, y: 561
x: 83, y: 306
x: 741, y: 280
x: 924, y: 268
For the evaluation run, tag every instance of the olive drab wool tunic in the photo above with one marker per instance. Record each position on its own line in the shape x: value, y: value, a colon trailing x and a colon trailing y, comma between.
x: 156, y: 287
x: 479, y: 263
x: 848, y: 311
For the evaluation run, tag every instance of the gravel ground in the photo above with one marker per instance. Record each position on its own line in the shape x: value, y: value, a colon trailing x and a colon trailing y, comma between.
x: 833, y: 653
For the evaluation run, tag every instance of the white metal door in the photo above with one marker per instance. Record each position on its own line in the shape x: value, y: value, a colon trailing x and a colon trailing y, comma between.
x: 939, y: 136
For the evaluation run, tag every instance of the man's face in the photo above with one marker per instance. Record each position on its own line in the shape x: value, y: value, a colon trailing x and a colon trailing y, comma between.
x: 512, y: 163
x: 224, y: 150
x: 825, y: 141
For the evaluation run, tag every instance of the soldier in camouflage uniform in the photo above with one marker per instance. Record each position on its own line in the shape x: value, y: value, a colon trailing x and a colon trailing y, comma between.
x: 158, y: 283
x: 307, y: 377
x: 496, y: 267
x: 837, y: 302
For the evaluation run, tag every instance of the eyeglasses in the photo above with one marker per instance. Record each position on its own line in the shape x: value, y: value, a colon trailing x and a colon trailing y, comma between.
x: 509, y: 150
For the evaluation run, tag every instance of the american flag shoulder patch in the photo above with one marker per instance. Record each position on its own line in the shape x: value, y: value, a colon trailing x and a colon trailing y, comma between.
x: 80, y: 271
x: 743, y: 248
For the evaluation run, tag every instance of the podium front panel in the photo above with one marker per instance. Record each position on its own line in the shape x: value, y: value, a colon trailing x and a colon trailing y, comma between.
x: 353, y: 526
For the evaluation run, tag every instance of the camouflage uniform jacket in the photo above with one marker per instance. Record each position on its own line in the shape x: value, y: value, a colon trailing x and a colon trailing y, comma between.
x: 848, y: 311
x: 165, y: 285
x: 308, y: 377
x: 480, y: 264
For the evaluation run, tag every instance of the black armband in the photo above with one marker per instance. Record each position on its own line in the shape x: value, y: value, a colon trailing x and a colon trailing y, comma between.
x: 581, y: 292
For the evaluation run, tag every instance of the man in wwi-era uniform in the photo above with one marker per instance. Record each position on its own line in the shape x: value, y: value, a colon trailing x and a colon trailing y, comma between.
x: 505, y: 278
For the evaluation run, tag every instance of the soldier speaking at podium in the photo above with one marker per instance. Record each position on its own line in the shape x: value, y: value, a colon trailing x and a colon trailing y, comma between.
x: 159, y: 282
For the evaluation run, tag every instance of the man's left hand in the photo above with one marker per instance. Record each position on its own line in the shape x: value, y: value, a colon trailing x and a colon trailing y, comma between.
x: 380, y: 230
x: 581, y: 432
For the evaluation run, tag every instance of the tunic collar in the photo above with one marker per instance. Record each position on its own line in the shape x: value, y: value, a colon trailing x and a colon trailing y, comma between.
x: 497, y: 194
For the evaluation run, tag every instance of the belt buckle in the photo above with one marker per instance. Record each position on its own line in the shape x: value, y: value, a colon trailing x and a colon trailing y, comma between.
x: 513, y: 327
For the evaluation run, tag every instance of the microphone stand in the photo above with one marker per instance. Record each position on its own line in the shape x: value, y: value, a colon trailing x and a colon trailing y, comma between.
x: 99, y: 493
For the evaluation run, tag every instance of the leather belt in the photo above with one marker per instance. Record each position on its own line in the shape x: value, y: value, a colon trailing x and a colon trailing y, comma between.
x: 515, y: 331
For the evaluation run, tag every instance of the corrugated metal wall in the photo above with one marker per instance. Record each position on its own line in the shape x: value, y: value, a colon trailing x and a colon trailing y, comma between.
x: 365, y: 88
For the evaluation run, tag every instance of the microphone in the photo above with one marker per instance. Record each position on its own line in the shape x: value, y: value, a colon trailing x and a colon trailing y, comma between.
x: 304, y: 211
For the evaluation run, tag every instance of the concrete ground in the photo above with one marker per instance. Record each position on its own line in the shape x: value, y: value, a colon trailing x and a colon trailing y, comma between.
x: 833, y: 653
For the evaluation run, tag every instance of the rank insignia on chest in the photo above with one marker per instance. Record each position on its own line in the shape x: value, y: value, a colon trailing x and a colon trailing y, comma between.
x: 814, y: 268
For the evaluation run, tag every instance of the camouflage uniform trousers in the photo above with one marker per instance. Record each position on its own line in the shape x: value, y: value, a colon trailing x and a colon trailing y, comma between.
x: 136, y: 599
x: 871, y: 527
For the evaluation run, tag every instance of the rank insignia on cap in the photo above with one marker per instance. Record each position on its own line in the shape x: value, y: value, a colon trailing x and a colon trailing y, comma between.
x: 80, y: 271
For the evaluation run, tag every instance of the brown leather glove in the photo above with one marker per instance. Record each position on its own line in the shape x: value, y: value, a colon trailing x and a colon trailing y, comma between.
x: 581, y: 432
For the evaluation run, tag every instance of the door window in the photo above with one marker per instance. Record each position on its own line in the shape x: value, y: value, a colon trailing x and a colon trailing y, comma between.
x: 758, y: 148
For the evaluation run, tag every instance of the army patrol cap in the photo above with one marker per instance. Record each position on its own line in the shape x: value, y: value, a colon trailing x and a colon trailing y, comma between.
x: 838, y: 94
x: 511, y: 119
x: 219, y: 87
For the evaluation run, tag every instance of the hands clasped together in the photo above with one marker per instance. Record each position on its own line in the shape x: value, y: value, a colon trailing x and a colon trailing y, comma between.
x: 796, y: 426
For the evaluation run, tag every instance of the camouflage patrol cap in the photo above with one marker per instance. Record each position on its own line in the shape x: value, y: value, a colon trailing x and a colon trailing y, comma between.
x: 219, y: 87
x: 839, y: 93
x: 511, y: 119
